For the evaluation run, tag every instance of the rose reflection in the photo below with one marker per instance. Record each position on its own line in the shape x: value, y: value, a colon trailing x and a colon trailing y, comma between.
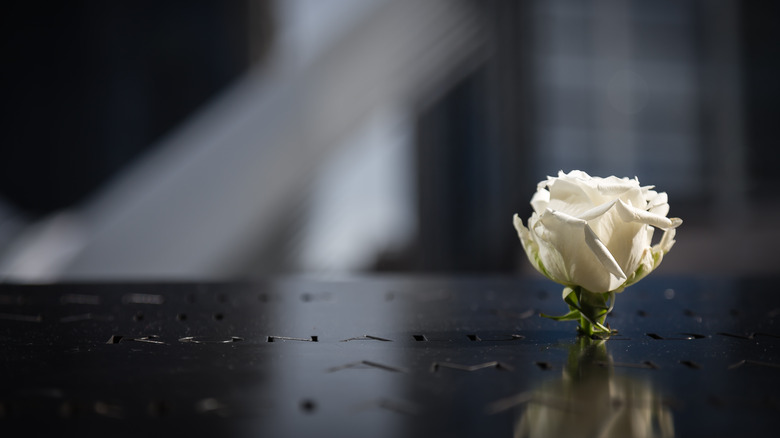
x: 590, y: 401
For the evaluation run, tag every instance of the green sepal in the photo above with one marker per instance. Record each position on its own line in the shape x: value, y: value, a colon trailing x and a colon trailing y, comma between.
x: 573, y: 315
x: 589, y: 308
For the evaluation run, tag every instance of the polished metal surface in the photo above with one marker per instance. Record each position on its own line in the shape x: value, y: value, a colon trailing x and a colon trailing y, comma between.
x: 395, y: 356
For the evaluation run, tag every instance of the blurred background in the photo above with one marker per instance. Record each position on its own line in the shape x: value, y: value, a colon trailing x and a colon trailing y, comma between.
x: 216, y: 140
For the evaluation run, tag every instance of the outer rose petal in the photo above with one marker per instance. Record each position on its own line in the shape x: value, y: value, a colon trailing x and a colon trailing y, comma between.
x: 530, y: 246
x: 632, y: 214
x: 667, y: 241
x: 540, y: 200
x: 587, y: 261
x: 659, y: 201
x: 625, y: 241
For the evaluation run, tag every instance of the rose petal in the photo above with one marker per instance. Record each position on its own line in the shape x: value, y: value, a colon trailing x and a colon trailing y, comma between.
x: 567, y: 190
x: 632, y: 214
x: 597, y: 211
x: 614, y: 188
x: 540, y: 200
x: 661, y: 210
x: 523, y: 234
x: 667, y: 240
x: 589, y: 272
x: 649, y: 236
x: 602, y: 253
x: 531, y: 247
x: 657, y: 199
x: 576, y: 195
x: 551, y: 217
x: 647, y: 264
x: 579, y: 174
x: 550, y: 261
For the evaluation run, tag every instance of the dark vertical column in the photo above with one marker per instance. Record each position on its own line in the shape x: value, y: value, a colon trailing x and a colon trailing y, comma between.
x: 761, y: 60
x: 475, y: 153
x: 88, y: 87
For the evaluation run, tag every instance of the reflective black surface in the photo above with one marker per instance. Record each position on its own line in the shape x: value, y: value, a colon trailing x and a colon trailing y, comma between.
x: 399, y: 356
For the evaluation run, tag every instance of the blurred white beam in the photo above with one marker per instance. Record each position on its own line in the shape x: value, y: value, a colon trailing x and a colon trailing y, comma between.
x: 216, y: 190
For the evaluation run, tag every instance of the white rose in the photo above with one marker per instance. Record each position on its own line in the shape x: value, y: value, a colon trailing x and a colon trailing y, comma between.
x: 595, y: 232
